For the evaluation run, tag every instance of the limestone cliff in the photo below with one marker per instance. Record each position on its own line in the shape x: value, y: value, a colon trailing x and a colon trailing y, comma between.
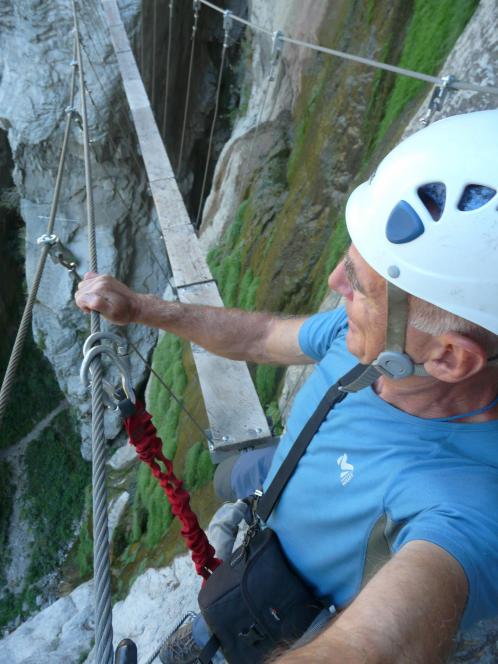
x: 289, y: 151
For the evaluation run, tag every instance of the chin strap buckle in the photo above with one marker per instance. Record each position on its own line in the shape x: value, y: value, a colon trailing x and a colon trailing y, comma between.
x: 394, y: 365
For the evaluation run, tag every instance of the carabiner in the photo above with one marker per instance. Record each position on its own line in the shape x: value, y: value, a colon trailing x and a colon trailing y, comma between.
x: 119, y: 359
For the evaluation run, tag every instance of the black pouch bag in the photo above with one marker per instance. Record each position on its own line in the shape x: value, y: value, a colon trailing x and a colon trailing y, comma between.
x: 255, y: 602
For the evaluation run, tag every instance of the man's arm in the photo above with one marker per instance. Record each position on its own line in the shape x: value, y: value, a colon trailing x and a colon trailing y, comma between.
x: 407, y: 614
x: 233, y: 333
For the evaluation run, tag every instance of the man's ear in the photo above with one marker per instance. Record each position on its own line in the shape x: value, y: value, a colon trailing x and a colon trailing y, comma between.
x: 455, y: 357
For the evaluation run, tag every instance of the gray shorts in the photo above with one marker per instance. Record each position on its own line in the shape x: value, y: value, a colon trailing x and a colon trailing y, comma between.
x: 240, y: 475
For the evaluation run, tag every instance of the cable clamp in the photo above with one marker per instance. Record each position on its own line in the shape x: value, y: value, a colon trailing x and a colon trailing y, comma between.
x: 73, y: 63
x: 276, y: 52
x: 118, y: 354
x: 59, y: 253
x: 277, y: 45
x: 438, y: 98
x: 47, y: 239
x: 227, y: 26
x: 196, y: 5
x: 75, y: 116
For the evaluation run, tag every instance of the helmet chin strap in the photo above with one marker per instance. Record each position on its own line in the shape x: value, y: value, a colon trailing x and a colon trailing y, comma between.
x: 392, y: 362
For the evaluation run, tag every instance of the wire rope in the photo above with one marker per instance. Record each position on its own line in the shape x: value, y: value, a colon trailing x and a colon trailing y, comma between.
x: 101, y: 561
x: 226, y: 28
x: 189, y: 80
x: 435, y: 80
x: 142, y: 37
x: 125, y: 205
x: 168, y: 66
x: 15, y: 357
x: 170, y: 392
x: 154, y: 47
x: 110, y: 176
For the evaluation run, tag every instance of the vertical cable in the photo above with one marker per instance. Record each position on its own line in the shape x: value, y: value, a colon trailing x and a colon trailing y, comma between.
x: 227, y: 24
x: 154, y: 47
x: 101, y: 563
x: 168, y: 65
x: 196, y: 7
x: 142, y: 38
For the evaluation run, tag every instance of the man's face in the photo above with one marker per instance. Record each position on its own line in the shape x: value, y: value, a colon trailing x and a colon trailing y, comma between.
x: 364, y: 291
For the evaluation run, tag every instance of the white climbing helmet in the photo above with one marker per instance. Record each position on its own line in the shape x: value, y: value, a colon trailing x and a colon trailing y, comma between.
x: 427, y: 221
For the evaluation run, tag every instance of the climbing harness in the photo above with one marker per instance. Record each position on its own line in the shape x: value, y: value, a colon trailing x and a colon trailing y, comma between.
x: 196, y: 5
x: 227, y: 25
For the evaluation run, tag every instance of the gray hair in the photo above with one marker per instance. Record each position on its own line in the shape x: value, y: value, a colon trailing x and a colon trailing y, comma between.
x: 433, y: 320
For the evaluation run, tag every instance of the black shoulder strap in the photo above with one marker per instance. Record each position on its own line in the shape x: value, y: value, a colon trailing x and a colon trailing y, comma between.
x: 208, y: 652
x: 360, y: 376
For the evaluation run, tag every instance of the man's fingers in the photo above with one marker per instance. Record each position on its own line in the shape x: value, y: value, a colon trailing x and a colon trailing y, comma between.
x: 90, y: 302
x: 90, y: 275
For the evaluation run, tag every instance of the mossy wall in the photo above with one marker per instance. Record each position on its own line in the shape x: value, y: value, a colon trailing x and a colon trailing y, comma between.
x: 289, y: 232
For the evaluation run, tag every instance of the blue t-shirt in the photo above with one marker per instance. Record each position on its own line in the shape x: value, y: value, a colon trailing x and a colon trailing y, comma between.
x: 373, y: 470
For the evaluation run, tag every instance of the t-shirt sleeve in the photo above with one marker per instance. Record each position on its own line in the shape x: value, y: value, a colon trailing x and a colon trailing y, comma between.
x: 319, y: 331
x: 467, y: 528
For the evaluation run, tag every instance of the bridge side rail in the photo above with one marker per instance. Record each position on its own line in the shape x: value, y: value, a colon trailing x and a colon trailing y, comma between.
x: 235, y: 415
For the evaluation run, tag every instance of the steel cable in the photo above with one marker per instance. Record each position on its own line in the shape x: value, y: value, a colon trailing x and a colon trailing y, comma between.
x: 154, y: 47
x: 168, y: 66
x: 101, y: 562
x: 15, y: 357
x: 213, y: 125
x: 170, y: 392
x: 189, y: 80
x: 435, y: 80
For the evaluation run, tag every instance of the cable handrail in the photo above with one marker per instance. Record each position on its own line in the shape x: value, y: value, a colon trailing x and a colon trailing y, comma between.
x: 101, y: 559
x: 435, y: 80
x: 15, y: 356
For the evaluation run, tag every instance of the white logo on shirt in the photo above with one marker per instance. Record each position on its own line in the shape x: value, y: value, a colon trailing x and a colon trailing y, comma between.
x: 346, y: 469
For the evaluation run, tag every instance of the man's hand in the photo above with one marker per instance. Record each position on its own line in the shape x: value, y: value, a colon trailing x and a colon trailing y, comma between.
x: 406, y: 614
x: 109, y: 297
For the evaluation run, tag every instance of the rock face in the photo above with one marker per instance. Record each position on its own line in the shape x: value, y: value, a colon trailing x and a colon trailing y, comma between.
x: 63, y: 633
x: 128, y: 243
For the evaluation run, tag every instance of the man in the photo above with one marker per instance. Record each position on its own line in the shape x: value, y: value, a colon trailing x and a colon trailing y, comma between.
x: 392, y: 513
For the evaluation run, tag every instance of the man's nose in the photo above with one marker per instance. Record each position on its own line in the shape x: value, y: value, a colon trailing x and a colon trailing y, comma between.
x: 339, y: 282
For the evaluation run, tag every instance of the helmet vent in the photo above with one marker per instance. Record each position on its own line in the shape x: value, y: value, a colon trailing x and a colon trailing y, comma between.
x: 475, y: 196
x: 433, y: 196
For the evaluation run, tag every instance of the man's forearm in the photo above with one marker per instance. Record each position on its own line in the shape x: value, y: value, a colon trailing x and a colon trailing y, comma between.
x: 233, y: 333
x: 333, y: 648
